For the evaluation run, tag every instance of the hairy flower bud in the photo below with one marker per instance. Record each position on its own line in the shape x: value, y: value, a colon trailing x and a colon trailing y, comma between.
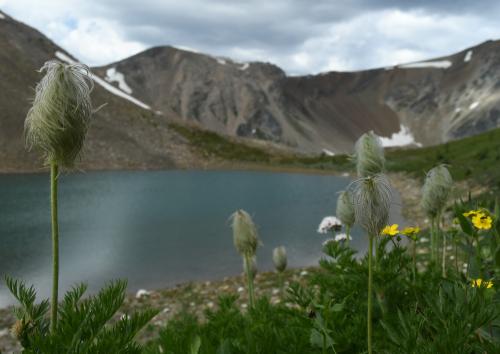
x: 244, y: 233
x: 369, y: 155
x: 279, y: 258
x: 345, y: 208
x: 59, y: 118
x: 372, y: 201
x: 436, y: 189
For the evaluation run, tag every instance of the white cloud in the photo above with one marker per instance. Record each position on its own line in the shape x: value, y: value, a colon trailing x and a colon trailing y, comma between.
x: 299, y: 37
x: 96, y: 41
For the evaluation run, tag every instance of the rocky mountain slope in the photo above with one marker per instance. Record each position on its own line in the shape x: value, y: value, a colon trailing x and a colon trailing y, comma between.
x: 122, y: 135
x: 422, y: 103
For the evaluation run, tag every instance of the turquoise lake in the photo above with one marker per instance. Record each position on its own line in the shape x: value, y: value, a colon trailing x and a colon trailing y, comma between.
x: 157, y: 229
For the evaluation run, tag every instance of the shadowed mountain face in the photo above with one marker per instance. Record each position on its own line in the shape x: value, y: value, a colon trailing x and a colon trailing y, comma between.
x: 421, y: 103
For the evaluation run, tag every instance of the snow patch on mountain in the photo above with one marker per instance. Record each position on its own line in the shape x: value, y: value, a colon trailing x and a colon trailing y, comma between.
x: 114, y: 76
x: 328, y: 152
x: 2, y: 16
x: 468, y: 56
x: 474, y: 105
x: 438, y: 64
x: 103, y: 83
x: 221, y: 61
x: 244, y: 66
x: 401, y: 138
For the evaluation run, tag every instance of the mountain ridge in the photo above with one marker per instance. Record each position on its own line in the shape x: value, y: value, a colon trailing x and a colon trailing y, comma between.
x: 327, y: 111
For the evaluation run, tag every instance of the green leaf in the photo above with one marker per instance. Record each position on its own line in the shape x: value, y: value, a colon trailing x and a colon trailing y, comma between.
x: 338, y: 307
x: 465, y: 225
x: 195, y: 345
x: 317, y: 338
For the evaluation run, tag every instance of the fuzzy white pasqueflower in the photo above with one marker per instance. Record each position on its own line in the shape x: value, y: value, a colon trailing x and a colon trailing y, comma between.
x: 279, y: 258
x: 345, y: 208
x: 436, y: 189
x: 328, y: 224
x: 372, y: 200
x: 369, y: 155
x: 245, y: 235
x: 58, y: 121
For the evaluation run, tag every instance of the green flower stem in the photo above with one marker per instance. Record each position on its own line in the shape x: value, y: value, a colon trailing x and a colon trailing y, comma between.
x: 438, y: 237
x: 55, y: 245
x: 443, y: 262
x: 248, y: 261
x: 414, y: 259
x: 370, y: 281
x: 281, y: 282
x: 479, y: 263
x: 469, y: 246
x: 432, y: 239
x: 347, y: 232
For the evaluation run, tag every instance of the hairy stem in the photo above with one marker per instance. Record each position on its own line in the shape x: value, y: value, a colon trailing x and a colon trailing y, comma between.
x: 348, y: 232
x: 438, y: 237
x: 433, y: 239
x: 414, y: 259
x: 248, y: 260
x: 281, y: 281
x: 55, y: 245
x: 479, y: 262
x: 370, y: 285
x: 443, y: 261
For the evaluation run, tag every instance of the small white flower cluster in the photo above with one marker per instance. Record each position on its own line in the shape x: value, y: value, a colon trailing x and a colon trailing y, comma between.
x: 341, y: 237
x: 329, y: 224
x: 338, y: 238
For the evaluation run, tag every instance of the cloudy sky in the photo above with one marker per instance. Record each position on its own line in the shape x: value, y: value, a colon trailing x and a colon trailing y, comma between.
x: 301, y: 36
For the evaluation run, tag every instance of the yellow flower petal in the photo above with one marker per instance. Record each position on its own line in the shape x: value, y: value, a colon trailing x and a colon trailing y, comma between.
x: 482, y: 222
x: 478, y: 282
x: 411, y: 231
x: 391, y: 230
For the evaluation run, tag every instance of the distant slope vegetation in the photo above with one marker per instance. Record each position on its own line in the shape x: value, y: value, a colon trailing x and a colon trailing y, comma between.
x: 472, y: 158
x: 429, y: 102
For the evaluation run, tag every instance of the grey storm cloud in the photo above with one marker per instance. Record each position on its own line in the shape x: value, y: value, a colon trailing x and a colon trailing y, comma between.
x: 302, y: 36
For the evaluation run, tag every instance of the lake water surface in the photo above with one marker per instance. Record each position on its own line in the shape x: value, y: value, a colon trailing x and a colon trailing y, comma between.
x: 157, y: 229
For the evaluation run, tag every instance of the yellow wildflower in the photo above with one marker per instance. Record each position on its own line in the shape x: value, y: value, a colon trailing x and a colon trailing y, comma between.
x: 480, y: 282
x: 482, y: 221
x: 391, y: 230
x: 472, y: 213
x: 411, y: 231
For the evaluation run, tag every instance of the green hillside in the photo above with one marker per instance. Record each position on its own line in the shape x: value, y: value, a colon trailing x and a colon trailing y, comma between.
x: 476, y: 157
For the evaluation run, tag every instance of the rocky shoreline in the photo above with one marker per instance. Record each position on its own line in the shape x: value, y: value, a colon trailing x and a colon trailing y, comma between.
x: 193, y: 297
